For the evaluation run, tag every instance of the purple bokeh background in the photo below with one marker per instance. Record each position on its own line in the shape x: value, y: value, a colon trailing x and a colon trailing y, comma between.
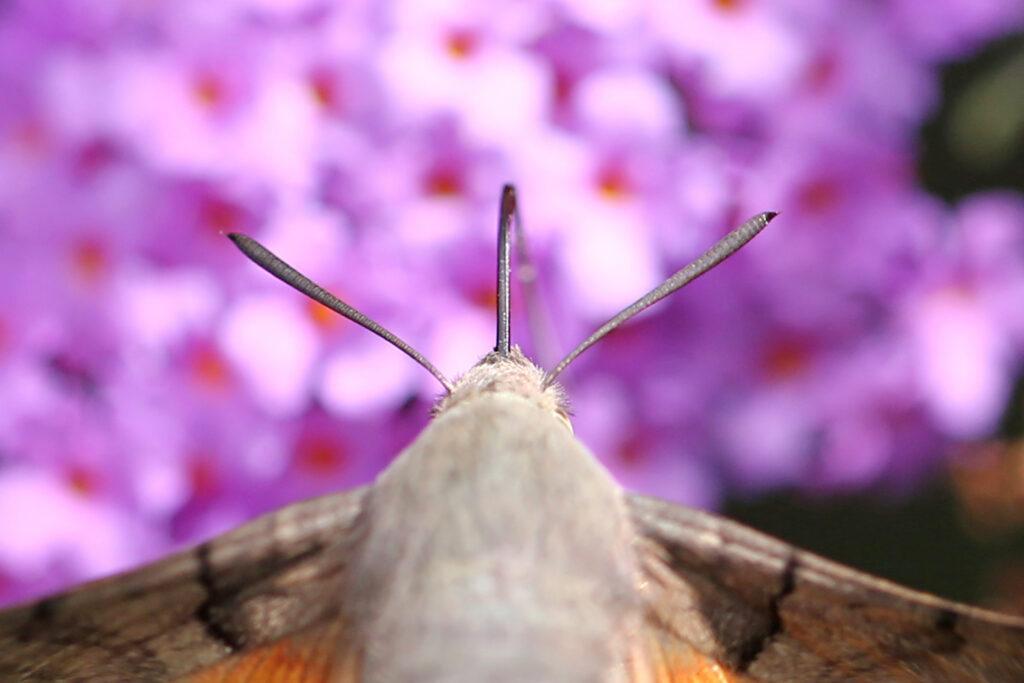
x: 156, y: 388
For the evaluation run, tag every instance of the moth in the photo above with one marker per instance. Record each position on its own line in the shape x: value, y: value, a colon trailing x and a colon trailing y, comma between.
x: 496, y: 548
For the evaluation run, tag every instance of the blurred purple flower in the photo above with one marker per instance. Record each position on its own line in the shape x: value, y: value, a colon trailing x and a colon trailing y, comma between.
x: 949, y: 28
x: 157, y: 389
x: 465, y: 59
x: 962, y: 315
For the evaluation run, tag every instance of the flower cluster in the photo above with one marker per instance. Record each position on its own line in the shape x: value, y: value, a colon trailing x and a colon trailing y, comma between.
x: 156, y: 388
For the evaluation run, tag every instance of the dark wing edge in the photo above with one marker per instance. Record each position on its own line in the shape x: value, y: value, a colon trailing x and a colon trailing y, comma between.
x: 766, y: 611
x: 271, y: 578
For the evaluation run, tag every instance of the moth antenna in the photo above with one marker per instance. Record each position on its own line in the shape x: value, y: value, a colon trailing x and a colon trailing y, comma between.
x: 722, y: 249
x: 269, y: 262
x: 510, y: 220
x: 507, y: 214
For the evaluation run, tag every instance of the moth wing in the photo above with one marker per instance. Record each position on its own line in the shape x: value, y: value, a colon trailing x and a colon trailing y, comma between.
x: 319, y: 654
x: 724, y: 600
x: 268, y: 588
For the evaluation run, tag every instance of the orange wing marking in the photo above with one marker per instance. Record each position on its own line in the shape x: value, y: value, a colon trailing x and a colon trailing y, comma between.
x: 676, y: 662
x: 315, y: 656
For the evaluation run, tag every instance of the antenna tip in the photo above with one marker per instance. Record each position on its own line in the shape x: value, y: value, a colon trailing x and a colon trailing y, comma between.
x: 508, y: 199
x: 769, y: 215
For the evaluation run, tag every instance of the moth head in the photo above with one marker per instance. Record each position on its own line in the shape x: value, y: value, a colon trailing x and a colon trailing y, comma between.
x: 508, y: 373
x: 506, y: 369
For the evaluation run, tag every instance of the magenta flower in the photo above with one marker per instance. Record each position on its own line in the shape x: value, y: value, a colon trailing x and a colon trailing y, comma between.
x: 940, y: 30
x: 465, y: 59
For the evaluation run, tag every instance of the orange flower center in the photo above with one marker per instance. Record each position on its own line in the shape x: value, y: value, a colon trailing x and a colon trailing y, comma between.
x: 320, y: 456
x: 324, y: 90
x: 89, y: 259
x: 612, y: 182
x: 209, y: 90
x: 461, y: 43
x: 728, y: 5
x: 82, y: 480
x: 209, y: 367
x: 443, y: 182
x: 818, y: 196
x: 202, y: 477
x: 485, y: 297
x: 221, y: 215
x: 786, y: 359
x: 633, y: 449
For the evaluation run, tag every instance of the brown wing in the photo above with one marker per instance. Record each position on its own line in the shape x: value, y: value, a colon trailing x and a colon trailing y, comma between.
x: 722, y: 595
x: 235, y: 596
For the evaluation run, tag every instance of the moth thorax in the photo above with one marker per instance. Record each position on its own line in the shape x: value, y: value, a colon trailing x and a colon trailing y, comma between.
x: 506, y: 374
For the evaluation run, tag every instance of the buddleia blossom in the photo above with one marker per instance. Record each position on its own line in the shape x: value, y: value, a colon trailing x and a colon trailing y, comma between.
x: 158, y: 389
